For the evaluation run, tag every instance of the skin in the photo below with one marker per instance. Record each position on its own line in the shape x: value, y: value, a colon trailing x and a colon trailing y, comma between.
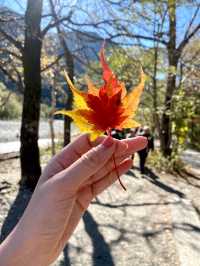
x: 75, y: 176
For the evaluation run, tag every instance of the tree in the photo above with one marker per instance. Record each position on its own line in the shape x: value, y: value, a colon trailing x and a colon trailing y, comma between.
x: 21, y: 56
x: 24, y: 44
x: 25, y: 47
x: 10, y: 104
x: 190, y: 73
x: 29, y: 152
x: 11, y: 39
x: 69, y: 63
x: 127, y: 22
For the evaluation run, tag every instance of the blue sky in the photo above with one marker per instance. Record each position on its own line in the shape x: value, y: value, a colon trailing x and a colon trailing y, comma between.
x: 184, y: 14
x: 17, y: 5
x: 20, y: 5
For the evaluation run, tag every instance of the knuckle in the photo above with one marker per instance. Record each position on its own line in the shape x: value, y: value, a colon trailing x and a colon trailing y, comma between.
x: 109, y: 166
x: 92, y: 159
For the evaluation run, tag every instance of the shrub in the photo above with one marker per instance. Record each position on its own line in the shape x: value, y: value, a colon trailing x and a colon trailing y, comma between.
x: 10, y: 107
x: 45, y: 111
x: 162, y: 164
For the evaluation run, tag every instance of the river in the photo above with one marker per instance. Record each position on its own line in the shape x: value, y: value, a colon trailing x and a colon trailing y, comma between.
x: 10, y: 130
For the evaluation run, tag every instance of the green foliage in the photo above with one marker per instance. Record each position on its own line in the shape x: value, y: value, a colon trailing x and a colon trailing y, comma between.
x: 10, y: 104
x: 163, y: 164
x: 45, y: 111
x: 46, y: 153
x: 124, y: 63
x: 194, y: 137
x: 183, y: 111
x: 194, y: 132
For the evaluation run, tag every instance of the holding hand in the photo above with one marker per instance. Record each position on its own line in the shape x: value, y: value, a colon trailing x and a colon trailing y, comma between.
x: 68, y: 184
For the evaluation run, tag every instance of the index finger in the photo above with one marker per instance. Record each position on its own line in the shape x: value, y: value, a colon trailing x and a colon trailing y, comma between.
x: 72, y: 152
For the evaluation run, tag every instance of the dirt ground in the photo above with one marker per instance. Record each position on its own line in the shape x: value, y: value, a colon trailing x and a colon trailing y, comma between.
x: 156, y: 222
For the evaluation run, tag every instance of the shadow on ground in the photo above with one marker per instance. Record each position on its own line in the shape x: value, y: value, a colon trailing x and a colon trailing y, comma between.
x: 101, y: 250
x: 66, y: 260
x: 155, y: 180
x: 15, y: 212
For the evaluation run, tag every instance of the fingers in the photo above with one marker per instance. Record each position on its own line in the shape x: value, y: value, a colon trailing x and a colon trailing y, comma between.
x: 73, y: 152
x: 86, y: 166
x: 108, y: 180
x: 81, y: 145
x: 67, y: 156
x: 134, y: 145
x: 108, y: 167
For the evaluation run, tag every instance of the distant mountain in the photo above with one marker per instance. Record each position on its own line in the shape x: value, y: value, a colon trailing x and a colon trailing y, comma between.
x: 84, y: 46
x: 13, y: 24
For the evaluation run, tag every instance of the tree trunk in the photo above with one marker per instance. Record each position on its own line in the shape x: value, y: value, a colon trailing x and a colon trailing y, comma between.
x: 166, y: 129
x: 51, y: 117
x: 156, y: 120
x: 67, y: 120
x: 69, y: 62
x: 29, y: 152
x: 70, y: 70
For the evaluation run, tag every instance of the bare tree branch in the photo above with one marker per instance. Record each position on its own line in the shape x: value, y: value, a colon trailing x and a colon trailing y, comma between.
x: 5, y: 100
x: 55, y: 23
x: 20, y: 83
x: 6, y: 72
x: 16, y: 43
x: 187, y: 39
x: 53, y: 63
x: 192, y: 20
x: 4, y: 50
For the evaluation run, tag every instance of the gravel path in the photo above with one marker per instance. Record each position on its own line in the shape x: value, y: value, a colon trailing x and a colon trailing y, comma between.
x: 154, y: 223
x: 192, y: 158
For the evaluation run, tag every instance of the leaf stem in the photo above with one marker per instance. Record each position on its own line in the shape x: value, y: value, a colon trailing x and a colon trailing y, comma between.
x: 113, y: 157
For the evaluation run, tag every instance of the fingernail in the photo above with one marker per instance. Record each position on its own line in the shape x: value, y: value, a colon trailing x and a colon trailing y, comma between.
x: 108, y: 142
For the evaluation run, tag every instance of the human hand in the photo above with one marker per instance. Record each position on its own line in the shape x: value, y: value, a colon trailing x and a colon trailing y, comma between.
x: 68, y: 184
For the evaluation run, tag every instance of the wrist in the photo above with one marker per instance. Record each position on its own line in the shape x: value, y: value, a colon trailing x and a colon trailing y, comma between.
x: 19, y: 250
x: 10, y: 250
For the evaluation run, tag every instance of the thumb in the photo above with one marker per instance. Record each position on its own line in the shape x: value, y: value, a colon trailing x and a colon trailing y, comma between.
x: 88, y: 164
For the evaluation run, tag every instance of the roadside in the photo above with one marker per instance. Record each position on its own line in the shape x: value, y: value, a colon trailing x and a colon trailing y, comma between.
x: 10, y: 130
x: 192, y: 158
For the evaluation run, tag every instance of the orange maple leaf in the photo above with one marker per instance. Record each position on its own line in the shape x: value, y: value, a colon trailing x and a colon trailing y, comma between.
x: 110, y: 107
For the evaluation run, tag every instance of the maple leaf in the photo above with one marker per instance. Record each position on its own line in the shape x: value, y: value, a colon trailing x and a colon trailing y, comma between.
x: 110, y: 107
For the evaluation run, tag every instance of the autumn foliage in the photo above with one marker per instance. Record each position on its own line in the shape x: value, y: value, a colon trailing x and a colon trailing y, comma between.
x: 110, y: 107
